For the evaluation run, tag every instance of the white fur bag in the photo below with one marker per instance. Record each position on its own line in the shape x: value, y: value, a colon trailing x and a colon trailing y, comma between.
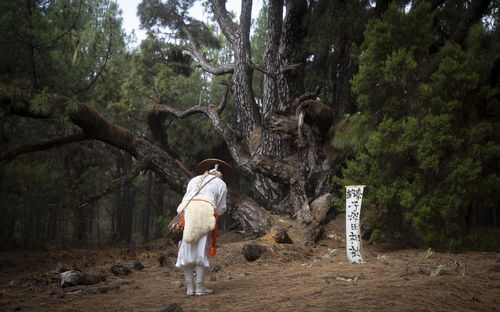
x: 199, y: 220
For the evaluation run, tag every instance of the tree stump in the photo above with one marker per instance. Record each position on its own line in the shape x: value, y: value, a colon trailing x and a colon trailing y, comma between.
x: 320, y: 206
x: 277, y: 235
x: 253, y: 252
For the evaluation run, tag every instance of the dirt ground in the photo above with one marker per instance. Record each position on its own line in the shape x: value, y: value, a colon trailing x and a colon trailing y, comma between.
x: 286, y: 278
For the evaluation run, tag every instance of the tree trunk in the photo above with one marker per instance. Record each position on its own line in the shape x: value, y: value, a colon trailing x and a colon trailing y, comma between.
x: 147, y: 209
x: 125, y: 201
x: 127, y: 214
x: 30, y: 48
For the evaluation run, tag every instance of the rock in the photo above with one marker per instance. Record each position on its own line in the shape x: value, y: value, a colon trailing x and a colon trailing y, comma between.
x: 136, y: 265
x: 39, y: 288
x: 332, y: 252
x: 74, y: 277
x: 494, y: 268
x: 213, y: 278
x: 215, y: 268
x: 229, y: 278
x: 253, y: 252
x: 118, y: 269
x: 277, y: 235
x: 173, y: 307
x: 346, y: 278
x: 61, y: 267
x: 320, y: 206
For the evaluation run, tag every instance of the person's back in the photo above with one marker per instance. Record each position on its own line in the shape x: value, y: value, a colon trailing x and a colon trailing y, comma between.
x: 215, y: 191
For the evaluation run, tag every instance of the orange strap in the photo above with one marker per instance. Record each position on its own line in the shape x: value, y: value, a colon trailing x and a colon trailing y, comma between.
x: 212, y: 251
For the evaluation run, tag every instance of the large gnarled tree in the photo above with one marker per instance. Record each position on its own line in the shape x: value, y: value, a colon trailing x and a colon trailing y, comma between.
x: 279, y: 142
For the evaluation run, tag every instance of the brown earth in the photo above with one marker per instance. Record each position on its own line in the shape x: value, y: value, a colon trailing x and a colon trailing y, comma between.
x: 286, y: 278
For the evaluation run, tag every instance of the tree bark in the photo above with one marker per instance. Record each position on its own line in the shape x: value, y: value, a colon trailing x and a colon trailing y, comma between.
x: 147, y: 209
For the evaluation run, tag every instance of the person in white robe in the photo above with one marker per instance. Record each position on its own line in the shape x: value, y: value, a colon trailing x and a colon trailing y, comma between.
x: 204, y: 199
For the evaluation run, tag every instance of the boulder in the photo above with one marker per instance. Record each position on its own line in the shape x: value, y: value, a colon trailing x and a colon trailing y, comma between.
x: 75, y: 277
x: 136, y: 265
x: 118, y: 269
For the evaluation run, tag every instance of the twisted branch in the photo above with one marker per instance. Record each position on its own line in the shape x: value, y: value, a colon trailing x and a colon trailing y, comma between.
x: 202, y: 60
x: 230, y: 136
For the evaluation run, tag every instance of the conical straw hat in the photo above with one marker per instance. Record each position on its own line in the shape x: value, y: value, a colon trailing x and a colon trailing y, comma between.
x: 228, y: 173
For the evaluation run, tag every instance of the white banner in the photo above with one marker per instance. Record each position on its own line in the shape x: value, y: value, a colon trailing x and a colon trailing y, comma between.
x: 354, y: 195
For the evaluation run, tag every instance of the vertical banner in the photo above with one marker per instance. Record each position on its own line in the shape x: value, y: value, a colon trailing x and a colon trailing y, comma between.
x: 354, y: 195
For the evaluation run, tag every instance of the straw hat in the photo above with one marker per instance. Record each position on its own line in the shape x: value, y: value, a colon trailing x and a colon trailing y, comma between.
x: 228, y: 173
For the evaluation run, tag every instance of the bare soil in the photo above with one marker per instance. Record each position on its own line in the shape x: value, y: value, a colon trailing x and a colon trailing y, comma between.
x: 286, y: 278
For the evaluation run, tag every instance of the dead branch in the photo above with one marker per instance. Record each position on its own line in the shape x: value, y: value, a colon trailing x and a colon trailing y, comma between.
x: 202, y: 60
x: 157, y: 107
x: 43, y: 146
x: 115, y: 184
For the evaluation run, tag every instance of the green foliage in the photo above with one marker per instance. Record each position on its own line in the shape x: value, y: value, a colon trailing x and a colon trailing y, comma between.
x: 50, y: 48
x: 156, y: 15
x: 353, y: 133
x: 377, y: 236
x: 431, y: 159
x: 41, y: 103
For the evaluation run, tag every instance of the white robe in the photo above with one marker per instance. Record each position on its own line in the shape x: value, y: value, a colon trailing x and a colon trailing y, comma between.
x: 197, y: 252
